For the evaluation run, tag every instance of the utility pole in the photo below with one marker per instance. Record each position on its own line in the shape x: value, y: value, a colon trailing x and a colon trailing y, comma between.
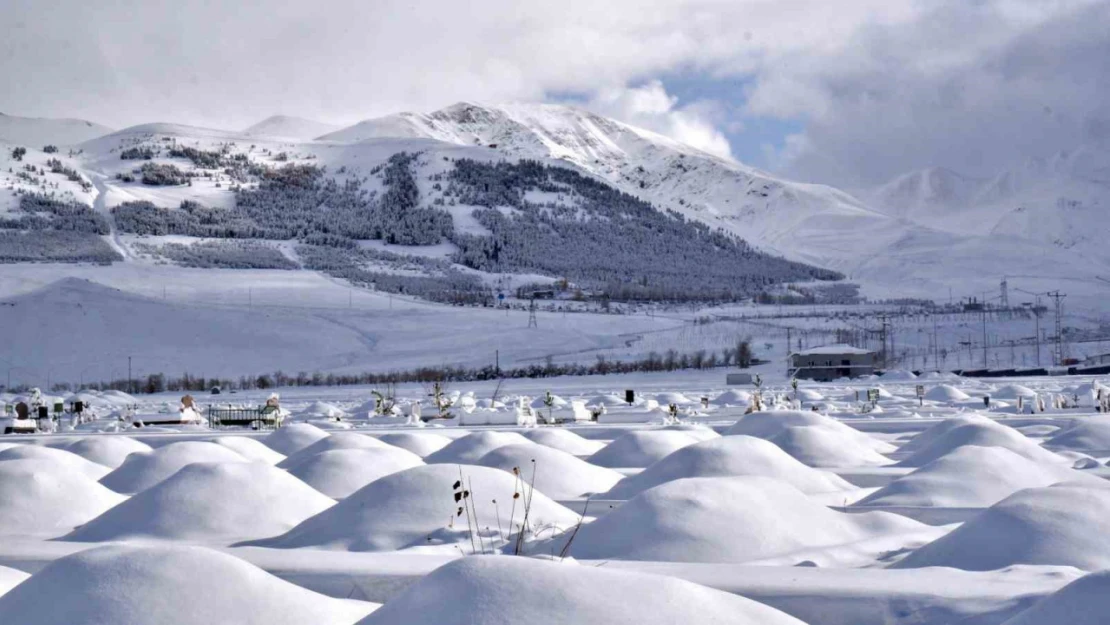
x: 984, y: 334
x: 936, y: 343
x: 1037, y: 336
x: 1058, y: 297
x: 130, y: 384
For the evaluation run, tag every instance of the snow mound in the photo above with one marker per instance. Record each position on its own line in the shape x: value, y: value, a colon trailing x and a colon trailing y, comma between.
x: 320, y: 410
x: 290, y: 439
x: 41, y: 498
x: 422, y: 444
x: 107, y: 450
x: 495, y: 590
x: 931, y: 434
x: 469, y: 448
x: 60, y: 457
x: 820, y: 446
x: 336, y: 440
x: 1089, y: 435
x: 641, y: 448
x: 972, y: 477
x: 666, y: 399
x: 898, y: 375
x: 10, y: 578
x: 609, y: 401
x: 946, y: 393
x: 159, y: 585
x: 730, y: 456
x: 557, y: 474
x: 808, y: 394
x: 699, y: 432
x: 982, y: 434
x: 1063, y: 525
x: 1012, y: 391
x: 250, y: 448
x: 140, y: 471
x: 770, y: 423
x: 724, y: 519
x: 416, y: 507
x: 732, y: 398
x: 210, y: 502
x: 563, y: 440
x: 1086, y: 601
x: 339, y: 472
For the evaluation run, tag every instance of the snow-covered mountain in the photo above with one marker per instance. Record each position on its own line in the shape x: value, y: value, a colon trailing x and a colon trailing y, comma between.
x: 924, y: 190
x: 38, y: 132
x: 786, y: 217
x: 286, y: 126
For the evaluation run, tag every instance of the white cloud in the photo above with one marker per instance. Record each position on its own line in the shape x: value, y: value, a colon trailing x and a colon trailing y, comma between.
x: 650, y: 106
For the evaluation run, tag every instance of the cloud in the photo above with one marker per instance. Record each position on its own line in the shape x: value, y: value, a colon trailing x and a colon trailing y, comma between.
x: 977, y: 87
x: 650, y: 107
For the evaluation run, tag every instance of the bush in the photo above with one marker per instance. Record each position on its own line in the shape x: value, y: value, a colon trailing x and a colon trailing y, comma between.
x: 226, y: 255
x: 50, y: 149
x: 18, y: 153
x: 53, y: 246
x: 137, y: 153
x: 156, y: 174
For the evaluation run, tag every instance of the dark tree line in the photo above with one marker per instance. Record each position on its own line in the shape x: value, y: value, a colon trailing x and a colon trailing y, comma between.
x: 45, y: 212
x: 224, y: 255
x: 55, y: 246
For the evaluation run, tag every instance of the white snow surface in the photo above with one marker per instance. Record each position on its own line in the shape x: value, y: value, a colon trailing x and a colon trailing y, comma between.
x: 771, y: 423
x: 294, y: 437
x: 641, y: 448
x: 35, y: 133
x: 141, y: 470
x: 42, y: 498
x: 416, y: 508
x: 339, y: 472
x: 216, y: 503
x: 63, y: 459
x: 422, y: 444
x: 1086, y: 601
x: 563, y: 440
x: 470, y: 448
x: 725, y: 519
x: 335, y: 440
x: 109, y: 451
x: 983, y: 434
x: 496, y: 590
x: 725, y: 457
x: 156, y: 585
x: 555, y: 473
x: 250, y: 448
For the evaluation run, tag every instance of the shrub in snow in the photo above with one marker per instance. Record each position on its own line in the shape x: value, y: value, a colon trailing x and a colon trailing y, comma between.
x: 210, y: 502
x: 140, y: 471
x: 729, y: 456
x: 42, y: 498
x: 499, y: 589
x: 158, y: 585
x: 339, y: 472
x: 1063, y: 525
x: 722, y: 519
x: 416, y: 507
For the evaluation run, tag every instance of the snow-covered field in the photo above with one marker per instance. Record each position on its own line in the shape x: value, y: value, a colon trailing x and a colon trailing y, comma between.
x: 821, y: 508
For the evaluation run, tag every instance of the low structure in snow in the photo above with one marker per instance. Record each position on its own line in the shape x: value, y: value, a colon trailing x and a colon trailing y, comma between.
x: 832, y: 362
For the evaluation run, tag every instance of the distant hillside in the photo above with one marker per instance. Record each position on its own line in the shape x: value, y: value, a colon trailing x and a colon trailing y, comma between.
x: 36, y: 132
x: 286, y: 126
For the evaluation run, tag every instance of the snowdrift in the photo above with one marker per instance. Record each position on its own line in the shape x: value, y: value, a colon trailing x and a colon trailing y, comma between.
x: 770, y: 423
x: 981, y: 434
x: 210, y: 502
x: 140, y: 471
x: 1060, y: 525
x: 495, y: 590
x: 641, y: 448
x: 469, y: 448
x: 249, y: 448
x: 421, y: 444
x: 289, y: 439
x: 61, y: 458
x: 336, y: 440
x: 10, y: 578
x: 972, y: 477
x: 563, y: 440
x: 158, y: 585
x: 1086, y: 601
x: 946, y: 393
x: 107, y: 450
x: 1090, y: 435
x: 723, y: 519
x: 40, y: 498
x: 730, y: 456
x: 416, y: 507
x: 557, y: 474
x: 339, y: 472
x: 820, y: 446
x: 932, y: 433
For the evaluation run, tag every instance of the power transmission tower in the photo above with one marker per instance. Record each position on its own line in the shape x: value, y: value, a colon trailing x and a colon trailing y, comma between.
x: 1005, y: 294
x: 1061, y: 347
x: 532, y: 323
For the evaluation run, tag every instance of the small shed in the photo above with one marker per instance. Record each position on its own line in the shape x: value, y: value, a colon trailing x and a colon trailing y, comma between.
x: 832, y: 362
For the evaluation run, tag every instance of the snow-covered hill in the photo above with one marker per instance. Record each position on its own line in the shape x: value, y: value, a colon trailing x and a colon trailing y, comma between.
x: 290, y: 127
x: 38, y: 132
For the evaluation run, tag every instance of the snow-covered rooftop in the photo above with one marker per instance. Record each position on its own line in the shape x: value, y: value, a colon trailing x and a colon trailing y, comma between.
x: 838, y: 348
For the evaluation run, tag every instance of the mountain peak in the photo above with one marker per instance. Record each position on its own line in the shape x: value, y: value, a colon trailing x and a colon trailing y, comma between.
x: 289, y: 126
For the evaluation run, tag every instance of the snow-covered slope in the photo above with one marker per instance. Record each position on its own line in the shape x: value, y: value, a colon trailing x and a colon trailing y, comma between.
x: 36, y: 132
x: 289, y: 127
